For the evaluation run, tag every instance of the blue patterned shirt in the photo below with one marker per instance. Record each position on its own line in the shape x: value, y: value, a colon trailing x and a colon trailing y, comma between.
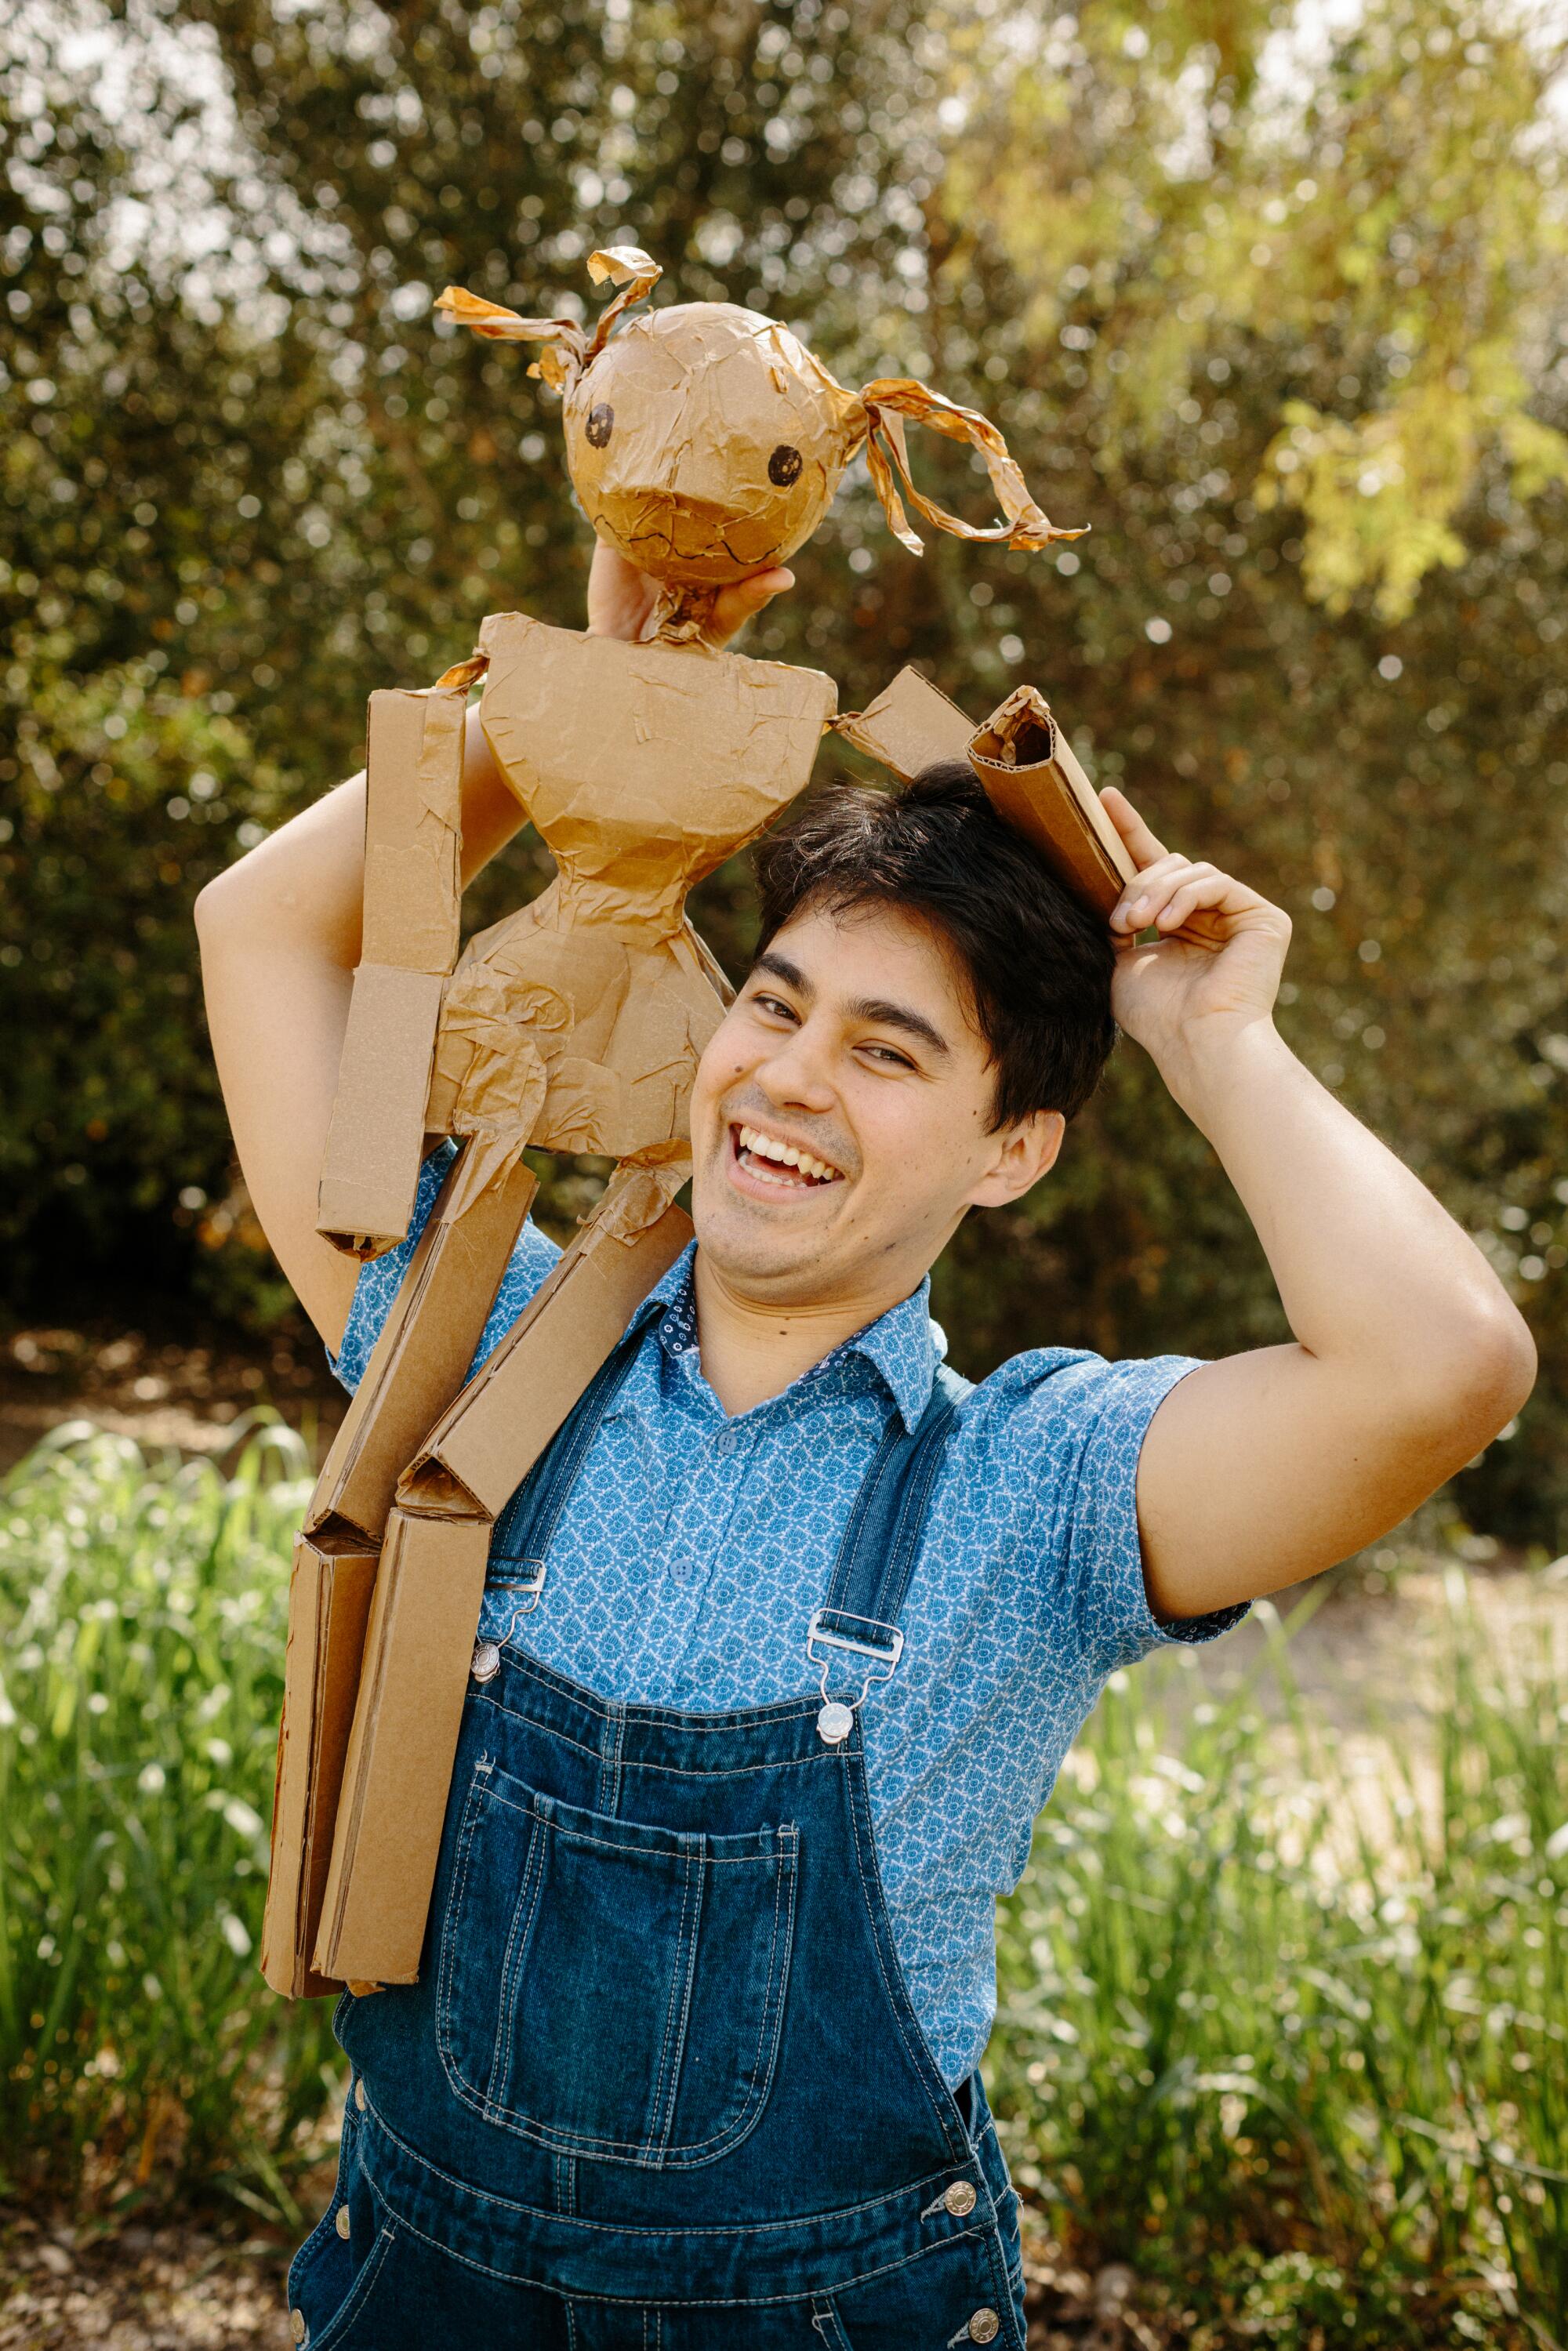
x: 695, y: 1546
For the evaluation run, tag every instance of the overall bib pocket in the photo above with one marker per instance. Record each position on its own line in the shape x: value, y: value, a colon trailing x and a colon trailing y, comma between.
x: 609, y: 1989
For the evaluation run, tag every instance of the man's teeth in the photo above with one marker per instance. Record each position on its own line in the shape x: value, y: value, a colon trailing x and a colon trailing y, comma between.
x: 768, y: 1146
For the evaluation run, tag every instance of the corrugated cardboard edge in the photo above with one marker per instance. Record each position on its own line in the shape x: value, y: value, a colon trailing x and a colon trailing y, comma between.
x: 910, y: 725
x: 329, y: 1609
x: 1052, y: 801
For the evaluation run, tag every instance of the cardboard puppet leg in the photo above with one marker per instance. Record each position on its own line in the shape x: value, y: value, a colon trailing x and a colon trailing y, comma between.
x: 480, y: 1451
x: 420, y: 1360
x: 414, y: 891
x: 420, y: 1641
x: 418, y: 1646
x: 328, y: 1606
x: 418, y: 1365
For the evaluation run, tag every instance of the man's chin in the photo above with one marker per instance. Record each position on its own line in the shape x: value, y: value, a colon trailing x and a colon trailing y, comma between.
x: 754, y: 1247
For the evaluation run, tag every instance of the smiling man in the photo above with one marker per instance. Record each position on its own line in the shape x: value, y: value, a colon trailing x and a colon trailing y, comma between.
x: 787, y: 1634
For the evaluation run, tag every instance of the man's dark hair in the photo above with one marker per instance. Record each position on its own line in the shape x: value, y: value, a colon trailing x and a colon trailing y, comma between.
x: 1039, y: 962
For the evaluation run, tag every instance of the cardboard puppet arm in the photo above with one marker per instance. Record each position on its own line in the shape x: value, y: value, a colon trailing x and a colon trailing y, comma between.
x: 413, y: 889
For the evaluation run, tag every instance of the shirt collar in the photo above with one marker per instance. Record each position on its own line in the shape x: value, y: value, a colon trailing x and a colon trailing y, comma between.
x: 904, y: 1344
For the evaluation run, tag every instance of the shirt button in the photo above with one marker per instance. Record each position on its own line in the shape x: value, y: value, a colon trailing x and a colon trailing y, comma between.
x: 360, y: 2095
x: 984, y: 2326
x: 296, y: 2327
x: 960, y: 2201
x: 341, y: 2223
x: 725, y: 1442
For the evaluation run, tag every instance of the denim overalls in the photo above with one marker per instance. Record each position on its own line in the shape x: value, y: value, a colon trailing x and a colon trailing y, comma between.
x: 660, y: 2087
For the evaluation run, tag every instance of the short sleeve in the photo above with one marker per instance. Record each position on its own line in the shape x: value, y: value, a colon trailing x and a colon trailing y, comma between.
x: 531, y: 1259
x: 1103, y: 1556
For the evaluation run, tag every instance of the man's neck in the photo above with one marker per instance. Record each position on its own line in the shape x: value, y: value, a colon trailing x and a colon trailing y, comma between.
x: 752, y: 1349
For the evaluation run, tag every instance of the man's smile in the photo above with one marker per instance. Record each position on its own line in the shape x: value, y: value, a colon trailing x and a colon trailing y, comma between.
x: 767, y: 1165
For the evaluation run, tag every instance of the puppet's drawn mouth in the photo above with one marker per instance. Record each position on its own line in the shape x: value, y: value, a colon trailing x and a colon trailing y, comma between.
x: 787, y: 1166
x: 664, y: 524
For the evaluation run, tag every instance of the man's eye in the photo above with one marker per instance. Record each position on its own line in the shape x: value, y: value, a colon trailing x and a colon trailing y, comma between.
x: 773, y: 1005
x: 891, y: 1055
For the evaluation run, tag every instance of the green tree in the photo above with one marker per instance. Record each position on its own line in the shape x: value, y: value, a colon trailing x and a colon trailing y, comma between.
x: 1294, y: 341
x: 1285, y: 324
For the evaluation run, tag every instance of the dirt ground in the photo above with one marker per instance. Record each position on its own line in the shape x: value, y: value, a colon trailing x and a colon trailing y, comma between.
x: 1366, y: 1659
x: 183, y: 2289
x: 159, y: 1391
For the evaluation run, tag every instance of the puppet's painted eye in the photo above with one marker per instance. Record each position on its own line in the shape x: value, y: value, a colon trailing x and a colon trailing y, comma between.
x: 600, y: 425
x: 784, y: 465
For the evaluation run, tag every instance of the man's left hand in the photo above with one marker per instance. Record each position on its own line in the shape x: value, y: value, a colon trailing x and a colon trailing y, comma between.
x: 1215, y: 967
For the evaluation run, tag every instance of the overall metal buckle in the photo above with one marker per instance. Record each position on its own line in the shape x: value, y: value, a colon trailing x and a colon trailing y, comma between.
x: 835, y: 1719
x: 486, y: 1659
x: 530, y: 1586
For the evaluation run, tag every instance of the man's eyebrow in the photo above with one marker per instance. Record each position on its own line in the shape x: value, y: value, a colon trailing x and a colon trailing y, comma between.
x: 785, y: 971
x: 899, y: 1016
x: 879, y: 1008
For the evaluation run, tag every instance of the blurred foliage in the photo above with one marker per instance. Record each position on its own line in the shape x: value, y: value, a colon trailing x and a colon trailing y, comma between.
x: 1282, y: 2011
x: 1278, y: 309
x: 1281, y: 2017
x: 143, y: 1609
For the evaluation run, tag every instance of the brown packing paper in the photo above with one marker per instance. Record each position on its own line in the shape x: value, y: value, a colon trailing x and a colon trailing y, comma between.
x: 417, y: 1651
x: 1035, y: 783
x: 328, y: 1604
x: 705, y: 441
x: 909, y: 726
x: 573, y: 1025
x: 414, y: 789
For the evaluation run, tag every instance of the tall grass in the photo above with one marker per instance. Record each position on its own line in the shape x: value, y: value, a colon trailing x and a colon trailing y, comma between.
x: 142, y: 1616
x: 1285, y: 2032
x: 1291, y: 2035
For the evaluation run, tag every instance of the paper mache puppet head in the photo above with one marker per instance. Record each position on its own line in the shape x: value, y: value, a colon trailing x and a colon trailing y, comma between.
x: 705, y: 441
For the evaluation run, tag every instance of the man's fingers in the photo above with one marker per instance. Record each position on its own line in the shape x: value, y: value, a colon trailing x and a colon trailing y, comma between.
x: 1144, y: 847
x: 1194, y: 898
x: 1175, y: 890
x: 1205, y: 891
x: 734, y: 606
x: 1141, y: 898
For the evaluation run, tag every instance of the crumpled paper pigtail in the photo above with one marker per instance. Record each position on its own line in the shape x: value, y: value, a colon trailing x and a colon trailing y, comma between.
x: 888, y: 403
x: 568, y: 347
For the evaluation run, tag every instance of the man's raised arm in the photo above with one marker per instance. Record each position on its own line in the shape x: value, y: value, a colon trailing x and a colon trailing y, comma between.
x: 1409, y: 1355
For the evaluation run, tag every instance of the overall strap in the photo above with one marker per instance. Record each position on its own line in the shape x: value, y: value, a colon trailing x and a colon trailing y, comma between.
x: 527, y: 1525
x: 876, y: 1559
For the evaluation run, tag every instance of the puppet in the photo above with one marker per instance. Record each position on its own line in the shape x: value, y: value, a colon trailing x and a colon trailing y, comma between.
x: 704, y: 442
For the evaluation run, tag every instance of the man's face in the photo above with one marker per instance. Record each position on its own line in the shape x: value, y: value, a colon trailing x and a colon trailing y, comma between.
x: 842, y: 1116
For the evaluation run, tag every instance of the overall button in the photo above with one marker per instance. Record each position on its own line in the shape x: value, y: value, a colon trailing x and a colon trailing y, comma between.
x: 341, y: 2223
x: 984, y: 2326
x: 486, y: 1661
x: 296, y: 2327
x: 960, y: 2201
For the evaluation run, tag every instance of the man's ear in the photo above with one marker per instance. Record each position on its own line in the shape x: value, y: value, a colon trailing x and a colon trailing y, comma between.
x: 1025, y: 1152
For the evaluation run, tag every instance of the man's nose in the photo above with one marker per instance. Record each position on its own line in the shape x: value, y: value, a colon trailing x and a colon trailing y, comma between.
x: 798, y: 1072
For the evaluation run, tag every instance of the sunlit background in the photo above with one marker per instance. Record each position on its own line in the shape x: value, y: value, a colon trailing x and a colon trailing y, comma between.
x: 1275, y: 300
